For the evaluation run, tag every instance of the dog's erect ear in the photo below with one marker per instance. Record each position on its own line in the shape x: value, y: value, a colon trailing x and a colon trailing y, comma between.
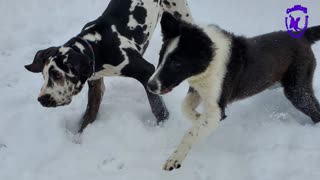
x: 170, y: 26
x: 81, y: 63
x: 39, y: 60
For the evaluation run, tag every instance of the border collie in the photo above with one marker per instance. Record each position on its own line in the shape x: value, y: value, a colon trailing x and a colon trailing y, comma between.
x: 222, y: 68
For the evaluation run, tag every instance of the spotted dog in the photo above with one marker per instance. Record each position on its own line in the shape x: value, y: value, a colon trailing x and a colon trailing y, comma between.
x: 111, y: 45
x: 222, y: 68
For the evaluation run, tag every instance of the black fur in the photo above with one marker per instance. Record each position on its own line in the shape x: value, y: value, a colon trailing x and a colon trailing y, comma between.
x: 196, y: 52
x: 312, y: 34
x: 40, y: 58
x: 254, y: 65
x: 108, y: 51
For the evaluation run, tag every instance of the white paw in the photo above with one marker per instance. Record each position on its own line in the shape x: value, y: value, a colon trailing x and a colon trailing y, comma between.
x: 174, y: 162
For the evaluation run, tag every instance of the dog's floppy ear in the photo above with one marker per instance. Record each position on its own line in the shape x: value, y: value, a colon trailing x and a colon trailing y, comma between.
x: 81, y: 63
x: 39, y: 60
x: 170, y: 26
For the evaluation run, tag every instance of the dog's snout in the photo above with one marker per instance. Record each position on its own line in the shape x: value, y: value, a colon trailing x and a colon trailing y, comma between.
x: 44, y: 100
x: 153, y: 86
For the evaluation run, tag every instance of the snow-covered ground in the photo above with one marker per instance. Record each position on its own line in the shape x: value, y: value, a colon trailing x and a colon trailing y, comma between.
x: 263, y: 138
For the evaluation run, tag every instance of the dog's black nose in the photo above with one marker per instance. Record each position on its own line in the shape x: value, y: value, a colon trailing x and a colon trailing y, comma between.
x: 44, y: 100
x: 153, y: 86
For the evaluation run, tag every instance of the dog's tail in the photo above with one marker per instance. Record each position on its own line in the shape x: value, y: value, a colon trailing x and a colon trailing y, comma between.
x: 312, y: 34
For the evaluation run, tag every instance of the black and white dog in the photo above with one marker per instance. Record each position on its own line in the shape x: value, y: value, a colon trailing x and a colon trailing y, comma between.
x: 112, y: 45
x: 222, y: 68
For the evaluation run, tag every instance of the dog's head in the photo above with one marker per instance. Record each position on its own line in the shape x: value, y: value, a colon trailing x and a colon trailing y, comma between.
x: 186, y: 51
x: 64, y: 72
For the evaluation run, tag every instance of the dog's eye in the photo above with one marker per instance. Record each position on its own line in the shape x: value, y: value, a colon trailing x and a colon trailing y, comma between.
x: 56, y: 74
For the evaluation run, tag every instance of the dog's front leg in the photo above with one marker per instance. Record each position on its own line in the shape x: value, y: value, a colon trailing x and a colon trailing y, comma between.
x: 95, y: 94
x: 142, y: 70
x: 190, y: 103
x: 206, y: 124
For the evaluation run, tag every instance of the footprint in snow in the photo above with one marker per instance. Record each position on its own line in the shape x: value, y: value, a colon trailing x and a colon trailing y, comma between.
x: 111, y: 164
x: 74, y: 138
x: 3, y: 146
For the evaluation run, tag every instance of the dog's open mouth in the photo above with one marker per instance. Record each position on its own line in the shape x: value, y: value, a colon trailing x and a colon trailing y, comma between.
x: 167, y: 90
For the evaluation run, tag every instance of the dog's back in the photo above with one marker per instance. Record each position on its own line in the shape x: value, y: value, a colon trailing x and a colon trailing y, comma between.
x: 259, y: 62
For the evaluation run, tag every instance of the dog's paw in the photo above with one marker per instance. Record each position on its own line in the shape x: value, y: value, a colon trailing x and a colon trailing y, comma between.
x: 174, y: 162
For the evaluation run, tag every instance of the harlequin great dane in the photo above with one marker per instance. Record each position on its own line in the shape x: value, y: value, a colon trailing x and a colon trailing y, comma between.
x: 112, y: 45
x: 221, y: 68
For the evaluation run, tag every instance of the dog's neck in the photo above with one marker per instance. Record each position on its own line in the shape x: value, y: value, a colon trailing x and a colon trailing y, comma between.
x: 83, y: 46
x: 215, y: 72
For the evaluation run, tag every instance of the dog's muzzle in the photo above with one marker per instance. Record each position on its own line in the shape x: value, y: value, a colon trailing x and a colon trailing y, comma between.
x: 47, y: 101
x: 153, y: 87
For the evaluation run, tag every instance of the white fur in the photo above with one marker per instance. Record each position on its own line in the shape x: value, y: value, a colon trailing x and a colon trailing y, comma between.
x: 155, y: 77
x: 80, y: 46
x: 132, y: 22
x: 96, y: 37
x: 209, y: 85
x: 58, y: 92
x: 189, y: 105
x: 154, y: 10
x: 89, y: 27
x: 64, y: 50
x: 181, y: 7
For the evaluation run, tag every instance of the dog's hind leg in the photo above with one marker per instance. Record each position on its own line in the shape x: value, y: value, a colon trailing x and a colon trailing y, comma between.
x: 178, y: 8
x: 95, y: 94
x: 303, y: 99
x: 298, y: 89
x: 142, y: 70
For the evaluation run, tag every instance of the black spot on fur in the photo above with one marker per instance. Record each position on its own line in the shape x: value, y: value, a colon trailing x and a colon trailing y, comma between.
x: 177, y: 15
x: 167, y: 3
x: 140, y: 14
x: 50, y: 83
x: 120, y: 12
x: 144, y: 27
x: 108, y: 50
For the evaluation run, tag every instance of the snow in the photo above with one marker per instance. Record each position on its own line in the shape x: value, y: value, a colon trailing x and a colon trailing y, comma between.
x: 263, y: 138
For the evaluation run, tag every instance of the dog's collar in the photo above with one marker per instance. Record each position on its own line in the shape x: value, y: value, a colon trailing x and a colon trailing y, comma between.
x: 93, y: 57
